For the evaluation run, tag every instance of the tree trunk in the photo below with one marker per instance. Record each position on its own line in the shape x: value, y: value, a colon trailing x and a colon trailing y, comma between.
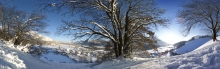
x: 127, y: 51
x: 120, y: 49
x: 9, y: 35
x: 116, y: 49
x: 214, y: 34
x: 16, y: 42
x: 126, y: 47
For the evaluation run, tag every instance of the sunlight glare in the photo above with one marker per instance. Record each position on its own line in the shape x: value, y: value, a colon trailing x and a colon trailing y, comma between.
x: 170, y: 38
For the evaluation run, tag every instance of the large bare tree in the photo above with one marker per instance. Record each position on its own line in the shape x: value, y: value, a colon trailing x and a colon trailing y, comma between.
x: 125, y: 23
x: 202, y: 13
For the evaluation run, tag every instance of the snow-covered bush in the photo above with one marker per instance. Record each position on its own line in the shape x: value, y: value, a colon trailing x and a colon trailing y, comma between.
x: 32, y: 49
x: 36, y: 50
x: 108, y: 56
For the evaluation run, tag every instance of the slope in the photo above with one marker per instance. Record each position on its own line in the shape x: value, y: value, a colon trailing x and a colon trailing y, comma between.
x: 9, y: 59
x: 25, y: 60
x: 192, y: 44
x: 12, y: 58
x: 207, y: 57
x: 206, y: 44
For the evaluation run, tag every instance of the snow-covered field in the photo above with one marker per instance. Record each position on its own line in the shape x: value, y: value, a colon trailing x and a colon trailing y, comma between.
x: 200, y: 53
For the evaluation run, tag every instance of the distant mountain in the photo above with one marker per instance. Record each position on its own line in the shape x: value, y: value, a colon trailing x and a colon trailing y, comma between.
x: 41, y: 37
x: 37, y: 35
x: 159, y: 43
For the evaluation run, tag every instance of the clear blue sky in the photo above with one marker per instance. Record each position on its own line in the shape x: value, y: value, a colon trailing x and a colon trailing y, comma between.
x: 170, y: 35
x: 173, y: 34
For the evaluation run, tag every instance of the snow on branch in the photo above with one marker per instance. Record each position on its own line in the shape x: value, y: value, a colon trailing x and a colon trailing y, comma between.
x: 90, y: 31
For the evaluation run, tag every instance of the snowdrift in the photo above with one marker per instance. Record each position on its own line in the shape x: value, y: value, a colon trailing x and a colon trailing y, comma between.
x: 9, y: 59
x: 205, y: 58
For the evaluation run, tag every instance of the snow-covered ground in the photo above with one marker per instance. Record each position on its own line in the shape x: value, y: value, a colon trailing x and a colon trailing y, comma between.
x: 12, y: 58
x: 9, y: 58
x: 57, y: 58
x: 208, y: 57
x: 205, y: 55
x: 76, y: 52
x: 193, y: 44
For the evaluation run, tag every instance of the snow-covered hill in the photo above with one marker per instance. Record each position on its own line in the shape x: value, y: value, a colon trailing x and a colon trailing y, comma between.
x: 159, y: 44
x: 207, y: 57
x: 44, y: 39
x: 193, y: 44
x: 37, y: 35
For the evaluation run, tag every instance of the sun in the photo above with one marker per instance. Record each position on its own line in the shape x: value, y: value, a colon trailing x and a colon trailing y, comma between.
x: 170, y: 37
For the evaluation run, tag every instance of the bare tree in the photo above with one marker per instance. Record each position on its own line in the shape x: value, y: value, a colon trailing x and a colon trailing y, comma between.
x: 16, y: 24
x: 204, y: 13
x: 6, y: 19
x: 25, y: 23
x: 123, y: 22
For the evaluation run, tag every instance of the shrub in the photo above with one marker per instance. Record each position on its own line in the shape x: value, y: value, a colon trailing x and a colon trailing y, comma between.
x: 110, y: 54
x: 37, y: 50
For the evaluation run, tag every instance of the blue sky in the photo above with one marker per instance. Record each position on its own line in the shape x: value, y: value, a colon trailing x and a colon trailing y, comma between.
x: 169, y: 35
x: 173, y: 34
x: 53, y: 19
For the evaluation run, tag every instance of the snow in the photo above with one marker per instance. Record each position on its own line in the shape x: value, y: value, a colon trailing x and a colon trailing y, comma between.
x: 204, y: 58
x: 206, y: 44
x: 205, y: 55
x: 53, y: 4
x: 13, y: 58
x: 37, y: 35
x: 165, y: 48
x: 9, y: 59
x: 57, y: 58
x: 192, y: 45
